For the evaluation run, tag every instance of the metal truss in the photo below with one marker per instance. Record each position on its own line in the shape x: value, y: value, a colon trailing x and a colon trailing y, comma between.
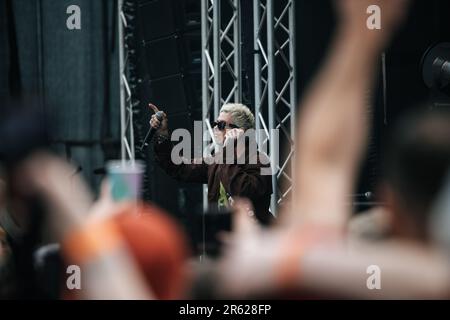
x: 276, y: 98
x: 221, y: 59
x: 126, y: 93
x: 221, y: 48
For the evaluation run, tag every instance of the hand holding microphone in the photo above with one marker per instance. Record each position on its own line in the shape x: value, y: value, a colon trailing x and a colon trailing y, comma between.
x: 159, y: 120
x: 158, y: 123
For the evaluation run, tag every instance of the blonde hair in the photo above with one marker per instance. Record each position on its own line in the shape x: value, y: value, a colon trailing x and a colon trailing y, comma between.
x: 241, y: 115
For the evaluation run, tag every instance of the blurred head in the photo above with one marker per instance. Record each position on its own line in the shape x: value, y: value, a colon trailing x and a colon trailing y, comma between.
x: 415, y: 167
x: 159, y: 247
x: 24, y: 129
x: 233, y: 115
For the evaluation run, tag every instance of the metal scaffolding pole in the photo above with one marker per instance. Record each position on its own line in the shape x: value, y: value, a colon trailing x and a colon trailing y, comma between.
x: 276, y: 98
x: 122, y: 87
x: 205, y: 77
x: 271, y: 97
x: 257, y: 60
x: 216, y: 49
x: 293, y: 88
x: 238, y: 53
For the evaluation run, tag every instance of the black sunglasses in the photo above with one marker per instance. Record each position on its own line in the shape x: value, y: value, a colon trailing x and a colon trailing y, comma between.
x: 221, y: 125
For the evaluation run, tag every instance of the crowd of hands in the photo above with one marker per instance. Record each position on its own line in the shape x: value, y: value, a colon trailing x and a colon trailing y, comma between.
x: 307, y: 248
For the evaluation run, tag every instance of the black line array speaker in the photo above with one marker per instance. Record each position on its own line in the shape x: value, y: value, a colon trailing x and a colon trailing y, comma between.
x: 158, y: 18
x: 163, y: 57
x: 165, y: 79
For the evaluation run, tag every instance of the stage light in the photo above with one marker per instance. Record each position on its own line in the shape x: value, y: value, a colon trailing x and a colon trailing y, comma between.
x: 436, y: 67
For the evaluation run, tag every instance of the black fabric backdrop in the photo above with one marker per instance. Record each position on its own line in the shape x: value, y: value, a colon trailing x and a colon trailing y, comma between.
x: 73, y: 73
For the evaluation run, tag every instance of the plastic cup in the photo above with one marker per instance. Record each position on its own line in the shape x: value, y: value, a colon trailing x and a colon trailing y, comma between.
x: 125, y: 179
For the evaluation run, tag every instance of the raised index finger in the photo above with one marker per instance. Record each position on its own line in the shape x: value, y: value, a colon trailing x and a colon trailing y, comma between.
x: 153, y: 107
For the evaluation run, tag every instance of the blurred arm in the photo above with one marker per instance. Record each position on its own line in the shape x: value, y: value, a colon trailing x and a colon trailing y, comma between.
x: 107, y: 268
x: 333, y: 127
x: 187, y: 172
x: 405, y: 272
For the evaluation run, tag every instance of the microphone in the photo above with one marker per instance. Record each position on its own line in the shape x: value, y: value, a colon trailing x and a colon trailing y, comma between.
x: 151, y: 132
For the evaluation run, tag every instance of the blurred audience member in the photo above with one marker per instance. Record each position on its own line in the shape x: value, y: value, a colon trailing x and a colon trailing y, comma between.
x: 159, y: 247
x: 415, y: 169
x: 307, y: 251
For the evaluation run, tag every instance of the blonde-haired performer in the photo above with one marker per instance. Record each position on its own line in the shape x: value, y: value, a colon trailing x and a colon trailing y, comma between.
x: 226, y: 181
